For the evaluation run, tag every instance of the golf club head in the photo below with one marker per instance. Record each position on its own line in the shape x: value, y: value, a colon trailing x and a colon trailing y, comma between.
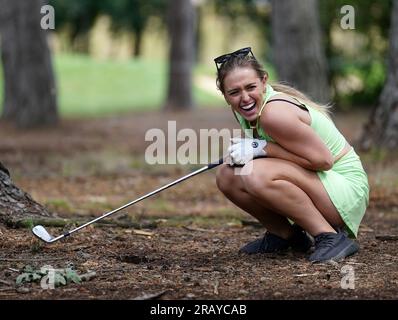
x: 41, y: 233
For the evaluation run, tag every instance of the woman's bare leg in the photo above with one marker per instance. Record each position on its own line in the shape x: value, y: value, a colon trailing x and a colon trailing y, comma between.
x: 293, y: 192
x: 231, y: 184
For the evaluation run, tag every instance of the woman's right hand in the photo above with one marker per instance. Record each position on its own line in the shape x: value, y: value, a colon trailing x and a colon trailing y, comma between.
x: 242, y: 150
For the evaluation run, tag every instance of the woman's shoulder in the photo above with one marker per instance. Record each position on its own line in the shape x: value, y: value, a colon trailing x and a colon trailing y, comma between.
x: 280, y: 109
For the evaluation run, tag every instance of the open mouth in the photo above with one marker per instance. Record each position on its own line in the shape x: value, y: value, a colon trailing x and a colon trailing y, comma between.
x: 248, y: 107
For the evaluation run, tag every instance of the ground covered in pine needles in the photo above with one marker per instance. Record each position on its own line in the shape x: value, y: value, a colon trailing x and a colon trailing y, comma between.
x: 180, y: 244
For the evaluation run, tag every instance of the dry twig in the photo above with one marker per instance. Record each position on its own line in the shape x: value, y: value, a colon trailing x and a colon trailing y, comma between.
x: 387, y: 237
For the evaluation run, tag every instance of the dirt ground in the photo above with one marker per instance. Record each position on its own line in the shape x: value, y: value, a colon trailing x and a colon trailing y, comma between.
x: 182, y: 243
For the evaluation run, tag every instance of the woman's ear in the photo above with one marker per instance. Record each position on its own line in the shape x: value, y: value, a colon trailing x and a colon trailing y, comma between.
x: 264, y: 82
x: 264, y: 79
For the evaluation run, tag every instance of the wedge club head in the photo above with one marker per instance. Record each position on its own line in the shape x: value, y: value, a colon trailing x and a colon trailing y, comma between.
x: 42, y: 234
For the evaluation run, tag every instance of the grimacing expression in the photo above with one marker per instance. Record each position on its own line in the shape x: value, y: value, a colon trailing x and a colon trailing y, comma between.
x: 244, y: 91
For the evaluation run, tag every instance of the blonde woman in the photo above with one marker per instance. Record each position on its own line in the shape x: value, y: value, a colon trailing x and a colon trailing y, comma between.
x: 303, y: 177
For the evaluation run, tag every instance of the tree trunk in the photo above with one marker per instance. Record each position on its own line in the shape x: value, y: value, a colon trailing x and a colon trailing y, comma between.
x: 381, y: 129
x: 298, y: 50
x: 30, y: 94
x: 137, y: 43
x: 16, y: 206
x: 181, y: 30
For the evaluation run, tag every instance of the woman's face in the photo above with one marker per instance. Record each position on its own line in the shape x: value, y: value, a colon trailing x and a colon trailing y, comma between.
x: 244, y: 91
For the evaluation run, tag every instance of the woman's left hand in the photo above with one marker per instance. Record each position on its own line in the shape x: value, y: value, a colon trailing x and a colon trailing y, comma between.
x: 242, y: 150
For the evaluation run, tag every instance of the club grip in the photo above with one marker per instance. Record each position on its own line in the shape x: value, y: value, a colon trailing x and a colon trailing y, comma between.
x: 215, y: 164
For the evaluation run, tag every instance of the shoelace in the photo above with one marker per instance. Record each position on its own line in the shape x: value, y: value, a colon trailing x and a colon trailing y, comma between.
x: 325, y: 240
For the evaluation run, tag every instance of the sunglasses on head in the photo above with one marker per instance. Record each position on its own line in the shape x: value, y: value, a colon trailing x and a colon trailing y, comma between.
x: 226, y: 57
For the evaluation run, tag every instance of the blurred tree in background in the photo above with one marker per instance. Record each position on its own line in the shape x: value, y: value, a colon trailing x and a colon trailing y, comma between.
x: 356, y: 58
x: 257, y: 11
x: 181, y: 22
x: 77, y: 17
x: 382, y: 127
x: 133, y: 15
x: 30, y: 93
x: 297, y: 46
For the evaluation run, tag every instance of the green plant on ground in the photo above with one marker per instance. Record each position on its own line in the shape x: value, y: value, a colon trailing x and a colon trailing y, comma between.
x: 60, y: 277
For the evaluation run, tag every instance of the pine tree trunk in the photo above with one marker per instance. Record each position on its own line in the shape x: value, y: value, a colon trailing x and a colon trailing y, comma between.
x: 181, y: 30
x: 16, y: 206
x: 298, y: 51
x: 381, y: 129
x: 30, y: 94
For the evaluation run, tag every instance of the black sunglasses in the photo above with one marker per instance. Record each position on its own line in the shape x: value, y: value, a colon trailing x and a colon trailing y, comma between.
x: 238, y: 53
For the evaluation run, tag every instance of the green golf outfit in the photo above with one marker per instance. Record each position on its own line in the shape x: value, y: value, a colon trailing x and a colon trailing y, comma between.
x: 346, y: 182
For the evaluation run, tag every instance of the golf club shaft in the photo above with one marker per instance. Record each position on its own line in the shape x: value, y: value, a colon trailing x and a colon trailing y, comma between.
x: 209, y: 166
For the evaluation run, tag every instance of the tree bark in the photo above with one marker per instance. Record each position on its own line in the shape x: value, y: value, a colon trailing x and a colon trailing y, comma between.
x: 16, y: 206
x: 30, y: 94
x: 381, y: 129
x: 181, y: 18
x: 298, y: 51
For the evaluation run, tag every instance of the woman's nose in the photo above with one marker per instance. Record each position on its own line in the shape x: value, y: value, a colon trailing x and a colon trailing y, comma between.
x: 245, y: 96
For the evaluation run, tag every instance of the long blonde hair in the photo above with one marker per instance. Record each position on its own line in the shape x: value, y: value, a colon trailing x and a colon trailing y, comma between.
x: 251, y: 62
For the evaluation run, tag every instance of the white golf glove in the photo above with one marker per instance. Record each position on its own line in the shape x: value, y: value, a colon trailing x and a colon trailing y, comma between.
x: 243, y: 150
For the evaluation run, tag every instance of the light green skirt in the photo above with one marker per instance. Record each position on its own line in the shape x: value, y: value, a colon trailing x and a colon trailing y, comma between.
x: 348, y: 188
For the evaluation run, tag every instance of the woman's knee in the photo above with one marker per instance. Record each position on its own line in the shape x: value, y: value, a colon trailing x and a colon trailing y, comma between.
x: 256, y: 180
x: 225, y: 178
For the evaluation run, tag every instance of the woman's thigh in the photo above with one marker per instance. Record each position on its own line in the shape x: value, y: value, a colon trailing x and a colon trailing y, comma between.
x: 266, y: 170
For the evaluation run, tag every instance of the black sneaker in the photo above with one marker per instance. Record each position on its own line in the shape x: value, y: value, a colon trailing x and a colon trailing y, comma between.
x: 267, y: 244
x: 271, y: 243
x: 333, y: 246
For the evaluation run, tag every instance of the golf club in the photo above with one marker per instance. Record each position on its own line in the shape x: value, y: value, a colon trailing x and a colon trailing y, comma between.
x: 41, y: 233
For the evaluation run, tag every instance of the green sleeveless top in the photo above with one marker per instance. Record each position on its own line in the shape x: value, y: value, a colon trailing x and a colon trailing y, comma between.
x: 321, y: 124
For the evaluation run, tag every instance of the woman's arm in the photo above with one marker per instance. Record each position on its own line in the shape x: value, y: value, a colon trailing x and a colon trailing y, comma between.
x: 275, y: 150
x: 295, y: 140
